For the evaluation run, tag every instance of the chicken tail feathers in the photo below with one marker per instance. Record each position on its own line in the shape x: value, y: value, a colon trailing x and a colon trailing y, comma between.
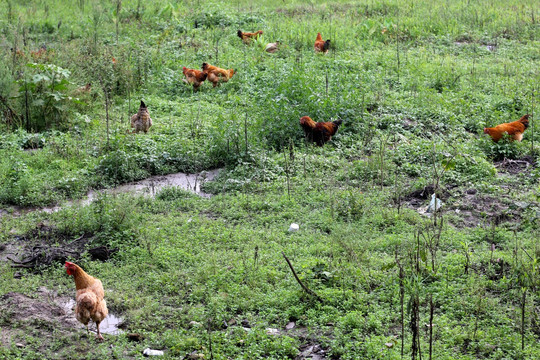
x: 87, y: 300
x: 239, y: 33
x: 326, y: 45
x: 338, y: 122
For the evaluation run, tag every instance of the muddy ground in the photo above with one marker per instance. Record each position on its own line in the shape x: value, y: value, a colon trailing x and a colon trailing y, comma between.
x: 46, y: 312
x: 471, y: 207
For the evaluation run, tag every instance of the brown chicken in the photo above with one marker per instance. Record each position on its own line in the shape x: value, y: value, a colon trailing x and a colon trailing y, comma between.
x: 194, y: 77
x: 89, y: 297
x: 216, y: 75
x: 319, y: 132
x: 141, y: 121
x: 321, y: 45
x: 247, y: 36
x: 18, y: 53
x: 41, y: 54
x: 514, y: 129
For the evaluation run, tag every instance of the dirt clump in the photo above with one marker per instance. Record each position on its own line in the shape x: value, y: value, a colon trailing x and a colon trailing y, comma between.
x: 514, y: 167
x: 311, y: 351
x: 44, y: 246
x: 474, y: 209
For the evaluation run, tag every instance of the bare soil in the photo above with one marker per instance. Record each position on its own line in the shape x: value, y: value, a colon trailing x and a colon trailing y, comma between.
x: 469, y: 208
x: 45, y: 313
x: 514, y: 167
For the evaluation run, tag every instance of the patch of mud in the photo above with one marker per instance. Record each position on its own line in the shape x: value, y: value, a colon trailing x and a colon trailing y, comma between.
x: 311, y: 351
x: 469, y: 208
x: 475, y: 209
x: 494, y: 269
x: 514, y: 167
x: 422, y: 196
x: 45, y: 246
x: 42, y: 313
x: 310, y: 348
x: 46, y: 312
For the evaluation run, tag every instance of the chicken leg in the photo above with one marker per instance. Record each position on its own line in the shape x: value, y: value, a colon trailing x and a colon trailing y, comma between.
x: 98, y: 336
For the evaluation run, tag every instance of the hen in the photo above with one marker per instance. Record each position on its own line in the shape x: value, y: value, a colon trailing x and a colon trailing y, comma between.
x: 86, y: 89
x: 319, y: 132
x: 141, y: 121
x: 272, y: 47
x: 247, y: 36
x: 89, y: 297
x: 194, y: 77
x: 216, y: 75
x: 41, y: 54
x: 515, y: 129
x: 321, y: 45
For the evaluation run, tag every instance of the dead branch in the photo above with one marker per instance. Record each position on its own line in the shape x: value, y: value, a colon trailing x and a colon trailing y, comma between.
x: 510, y: 161
x: 306, y: 289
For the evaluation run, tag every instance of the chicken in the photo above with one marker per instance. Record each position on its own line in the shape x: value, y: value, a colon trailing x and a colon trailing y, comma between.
x: 194, y: 77
x: 41, y: 54
x: 141, y: 120
x: 319, y: 132
x: 247, y: 37
x: 90, y: 304
x: 272, y: 47
x: 86, y: 89
x: 514, y: 129
x: 216, y: 75
x: 18, y: 53
x: 321, y: 45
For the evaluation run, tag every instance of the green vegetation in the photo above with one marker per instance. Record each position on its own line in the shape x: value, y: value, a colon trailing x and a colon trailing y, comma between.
x: 415, y: 84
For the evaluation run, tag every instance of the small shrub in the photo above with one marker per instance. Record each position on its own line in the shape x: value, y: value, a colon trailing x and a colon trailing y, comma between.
x: 504, y: 148
x: 172, y: 193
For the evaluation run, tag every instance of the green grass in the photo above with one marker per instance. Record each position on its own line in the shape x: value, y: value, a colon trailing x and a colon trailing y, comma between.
x: 414, y: 82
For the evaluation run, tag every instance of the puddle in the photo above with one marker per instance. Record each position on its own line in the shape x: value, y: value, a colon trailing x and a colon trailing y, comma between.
x: 108, y: 326
x: 488, y: 47
x: 147, y: 187
x: 153, y: 185
x: 40, y: 314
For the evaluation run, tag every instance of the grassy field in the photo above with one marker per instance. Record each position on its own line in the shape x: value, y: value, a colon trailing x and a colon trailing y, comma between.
x: 415, y: 83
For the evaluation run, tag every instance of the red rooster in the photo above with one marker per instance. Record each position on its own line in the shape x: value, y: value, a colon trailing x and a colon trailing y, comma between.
x: 319, y: 132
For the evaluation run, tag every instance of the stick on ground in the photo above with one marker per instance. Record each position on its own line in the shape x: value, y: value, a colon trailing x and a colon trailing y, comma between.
x: 306, y: 289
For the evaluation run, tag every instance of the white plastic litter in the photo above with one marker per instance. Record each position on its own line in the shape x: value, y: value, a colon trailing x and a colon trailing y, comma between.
x: 150, y: 352
x: 294, y: 227
x: 272, y: 331
x: 434, y: 205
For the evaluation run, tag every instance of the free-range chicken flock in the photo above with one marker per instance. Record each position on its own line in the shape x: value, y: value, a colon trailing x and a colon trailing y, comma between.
x: 90, y: 302
x: 319, y: 133
x: 316, y: 132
